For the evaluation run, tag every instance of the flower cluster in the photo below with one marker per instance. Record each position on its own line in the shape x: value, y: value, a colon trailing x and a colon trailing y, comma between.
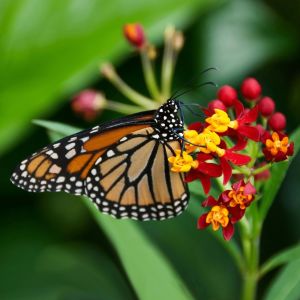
x: 236, y: 143
x: 233, y: 142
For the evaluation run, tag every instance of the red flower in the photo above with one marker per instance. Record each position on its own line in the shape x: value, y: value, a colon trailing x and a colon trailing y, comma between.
x: 277, y: 146
x: 204, y: 171
x: 218, y: 216
x: 238, y: 198
x: 244, y: 118
x: 231, y: 157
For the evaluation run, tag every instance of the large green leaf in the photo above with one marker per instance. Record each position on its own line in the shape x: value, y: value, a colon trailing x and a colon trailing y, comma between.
x: 50, y: 48
x: 149, y: 271
x: 34, y: 266
x: 278, y: 174
x: 285, y: 256
x: 287, y: 285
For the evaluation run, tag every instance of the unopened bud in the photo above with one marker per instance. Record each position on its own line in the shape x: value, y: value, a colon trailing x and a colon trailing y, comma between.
x: 266, y: 106
x: 178, y: 40
x: 227, y: 94
x: 212, y: 105
x: 88, y: 103
x: 134, y: 34
x: 108, y: 71
x: 277, y: 122
x: 251, y: 89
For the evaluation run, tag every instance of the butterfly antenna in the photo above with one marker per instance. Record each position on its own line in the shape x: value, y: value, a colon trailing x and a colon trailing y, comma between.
x: 194, y: 87
x: 192, y: 84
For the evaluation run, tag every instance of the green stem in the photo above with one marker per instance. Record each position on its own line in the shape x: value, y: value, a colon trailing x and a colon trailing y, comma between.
x: 168, y: 63
x: 122, y: 108
x: 250, y: 236
x: 149, y: 76
x: 262, y: 168
x: 110, y: 73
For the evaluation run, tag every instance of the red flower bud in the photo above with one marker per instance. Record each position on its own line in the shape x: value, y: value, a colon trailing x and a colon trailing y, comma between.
x: 251, y: 89
x: 277, y: 122
x: 88, y: 104
x: 134, y: 33
x: 216, y: 104
x: 227, y: 94
x: 266, y: 106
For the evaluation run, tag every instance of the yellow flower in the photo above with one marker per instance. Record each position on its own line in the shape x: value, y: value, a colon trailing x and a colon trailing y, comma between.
x: 191, y: 136
x: 182, y: 162
x: 210, y: 141
x: 217, y: 216
x: 220, y: 121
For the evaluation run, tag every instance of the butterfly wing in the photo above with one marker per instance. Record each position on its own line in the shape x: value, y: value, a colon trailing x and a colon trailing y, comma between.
x: 133, y: 179
x: 64, y: 165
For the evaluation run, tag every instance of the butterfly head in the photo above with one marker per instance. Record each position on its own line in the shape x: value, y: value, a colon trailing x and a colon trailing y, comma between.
x: 169, y: 120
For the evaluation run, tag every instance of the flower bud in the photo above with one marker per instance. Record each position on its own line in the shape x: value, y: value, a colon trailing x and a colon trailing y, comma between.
x: 134, y: 33
x: 277, y: 122
x: 88, y: 104
x: 266, y: 106
x: 227, y: 94
x: 212, y: 105
x: 178, y: 40
x: 251, y: 89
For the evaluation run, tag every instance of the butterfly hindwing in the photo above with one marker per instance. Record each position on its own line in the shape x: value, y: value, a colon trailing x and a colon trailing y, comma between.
x: 133, y: 179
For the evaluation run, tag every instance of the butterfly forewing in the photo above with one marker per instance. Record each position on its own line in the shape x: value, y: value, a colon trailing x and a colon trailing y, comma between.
x: 64, y: 165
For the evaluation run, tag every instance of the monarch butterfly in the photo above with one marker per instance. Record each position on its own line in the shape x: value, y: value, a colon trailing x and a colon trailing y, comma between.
x: 121, y: 165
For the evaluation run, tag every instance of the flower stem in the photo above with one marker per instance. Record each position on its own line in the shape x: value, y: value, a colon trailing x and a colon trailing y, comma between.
x: 168, y: 63
x: 110, y: 73
x: 150, y: 76
x: 262, y: 168
x: 125, y: 109
x: 250, y: 235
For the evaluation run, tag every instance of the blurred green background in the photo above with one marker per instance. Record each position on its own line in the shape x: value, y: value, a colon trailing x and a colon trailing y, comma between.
x: 50, y: 245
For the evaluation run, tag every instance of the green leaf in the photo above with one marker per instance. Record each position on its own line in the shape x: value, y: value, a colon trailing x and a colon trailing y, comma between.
x: 285, y: 256
x: 49, y: 49
x: 249, y: 34
x: 278, y: 172
x: 149, y: 271
x: 34, y: 266
x: 58, y: 128
x: 287, y: 284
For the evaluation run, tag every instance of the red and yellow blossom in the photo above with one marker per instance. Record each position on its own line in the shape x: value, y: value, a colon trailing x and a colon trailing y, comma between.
x: 277, y: 146
x: 219, y: 216
x: 241, y: 195
x: 182, y: 162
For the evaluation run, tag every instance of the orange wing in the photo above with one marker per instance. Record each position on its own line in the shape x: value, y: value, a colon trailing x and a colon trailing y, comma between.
x: 65, y: 164
x: 133, y: 179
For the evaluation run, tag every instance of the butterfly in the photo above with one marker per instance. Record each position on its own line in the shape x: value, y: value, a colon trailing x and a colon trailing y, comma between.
x: 121, y: 165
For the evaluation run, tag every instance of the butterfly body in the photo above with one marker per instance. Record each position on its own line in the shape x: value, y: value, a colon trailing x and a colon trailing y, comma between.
x: 122, y: 166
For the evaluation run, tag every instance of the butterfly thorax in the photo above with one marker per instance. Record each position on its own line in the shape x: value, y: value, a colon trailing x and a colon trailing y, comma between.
x: 169, y: 125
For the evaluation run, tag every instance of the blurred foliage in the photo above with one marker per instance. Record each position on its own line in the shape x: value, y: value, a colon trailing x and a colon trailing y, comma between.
x: 50, y: 247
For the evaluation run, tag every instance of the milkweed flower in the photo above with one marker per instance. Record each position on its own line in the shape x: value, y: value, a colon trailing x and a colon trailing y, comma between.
x: 277, y: 146
x: 218, y: 217
x: 182, y: 162
x: 204, y: 171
